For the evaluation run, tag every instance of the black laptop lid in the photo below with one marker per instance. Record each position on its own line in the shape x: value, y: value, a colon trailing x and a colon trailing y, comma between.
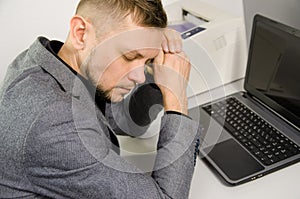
x: 273, y: 68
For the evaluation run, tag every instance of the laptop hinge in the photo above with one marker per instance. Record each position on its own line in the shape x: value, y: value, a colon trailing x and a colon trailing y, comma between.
x: 253, y: 98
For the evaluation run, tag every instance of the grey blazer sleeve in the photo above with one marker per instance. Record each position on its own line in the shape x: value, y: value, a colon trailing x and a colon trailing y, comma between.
x: 64, y: 159
x: 177, y: 150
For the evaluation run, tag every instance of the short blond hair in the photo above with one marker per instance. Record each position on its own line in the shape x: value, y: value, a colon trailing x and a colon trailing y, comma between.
x: 148, y: 13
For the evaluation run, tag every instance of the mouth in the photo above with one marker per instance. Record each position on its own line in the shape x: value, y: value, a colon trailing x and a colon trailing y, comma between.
x: 125, y: 90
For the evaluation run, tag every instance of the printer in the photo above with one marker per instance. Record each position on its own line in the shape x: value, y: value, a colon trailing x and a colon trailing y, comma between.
x: 214, y: 40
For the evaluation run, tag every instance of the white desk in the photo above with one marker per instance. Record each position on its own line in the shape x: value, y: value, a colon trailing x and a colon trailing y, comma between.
x: 282, y: 184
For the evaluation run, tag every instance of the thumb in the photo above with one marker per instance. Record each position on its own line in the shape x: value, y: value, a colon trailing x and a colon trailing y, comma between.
x: 159, y: 59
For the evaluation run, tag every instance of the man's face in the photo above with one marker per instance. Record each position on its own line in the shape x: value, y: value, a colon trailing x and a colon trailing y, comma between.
x: 116, y: 65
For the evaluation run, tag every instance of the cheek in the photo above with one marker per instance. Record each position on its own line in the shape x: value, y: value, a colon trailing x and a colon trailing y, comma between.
x: 114, y: 74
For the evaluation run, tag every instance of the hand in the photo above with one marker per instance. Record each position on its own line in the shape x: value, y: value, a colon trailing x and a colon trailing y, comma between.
x: 172, y: 42
x: 171, y: 74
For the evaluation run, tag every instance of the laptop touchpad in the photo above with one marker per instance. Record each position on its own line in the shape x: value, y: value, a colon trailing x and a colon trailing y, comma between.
x: 233, y: 160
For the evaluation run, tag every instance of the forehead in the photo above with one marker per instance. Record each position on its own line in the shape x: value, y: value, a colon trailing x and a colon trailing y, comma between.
x: 145, y: 41
x: 140, y: 38
x: 133, y: 38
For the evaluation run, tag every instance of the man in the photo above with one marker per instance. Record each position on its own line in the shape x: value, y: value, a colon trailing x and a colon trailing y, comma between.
x: 61, y: 105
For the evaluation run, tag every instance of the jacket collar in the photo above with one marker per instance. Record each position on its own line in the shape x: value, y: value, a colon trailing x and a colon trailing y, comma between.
x: 49, y: 62
x: 67, y: 80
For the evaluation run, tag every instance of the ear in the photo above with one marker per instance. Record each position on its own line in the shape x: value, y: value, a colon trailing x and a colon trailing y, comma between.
x: 78, y: 31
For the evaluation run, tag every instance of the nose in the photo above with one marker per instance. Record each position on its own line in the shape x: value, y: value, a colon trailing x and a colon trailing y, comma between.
x: 137, y: 75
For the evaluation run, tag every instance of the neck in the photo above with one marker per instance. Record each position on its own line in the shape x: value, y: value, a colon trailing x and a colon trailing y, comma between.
x: 68, y: 55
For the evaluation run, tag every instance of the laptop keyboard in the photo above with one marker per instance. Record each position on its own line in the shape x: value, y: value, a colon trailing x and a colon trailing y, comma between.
x: 263, y: 140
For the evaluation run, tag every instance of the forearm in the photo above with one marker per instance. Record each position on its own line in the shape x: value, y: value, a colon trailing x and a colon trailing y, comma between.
x: 79, y: 163
x: 177, y: 149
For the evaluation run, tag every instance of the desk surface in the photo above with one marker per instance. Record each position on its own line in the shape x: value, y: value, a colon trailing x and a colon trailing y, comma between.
x: 278, y: 185
x: 206, y: 184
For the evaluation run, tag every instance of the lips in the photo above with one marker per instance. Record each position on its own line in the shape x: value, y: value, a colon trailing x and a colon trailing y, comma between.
x: 125, y: 90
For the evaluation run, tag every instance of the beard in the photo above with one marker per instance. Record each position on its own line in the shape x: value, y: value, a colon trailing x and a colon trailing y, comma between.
x: 98, y: 91
x: 94, y: 88
x: 102, y: 95
x: 112, y: 95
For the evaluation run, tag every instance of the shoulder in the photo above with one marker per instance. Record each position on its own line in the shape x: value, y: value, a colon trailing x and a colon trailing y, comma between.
x: 60, y: 138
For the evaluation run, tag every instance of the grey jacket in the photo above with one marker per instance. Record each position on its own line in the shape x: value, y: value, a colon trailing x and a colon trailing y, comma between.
x: 56, y: 143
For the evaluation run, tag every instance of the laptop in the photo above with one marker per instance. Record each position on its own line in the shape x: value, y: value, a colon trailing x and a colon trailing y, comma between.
x: 257, y: 131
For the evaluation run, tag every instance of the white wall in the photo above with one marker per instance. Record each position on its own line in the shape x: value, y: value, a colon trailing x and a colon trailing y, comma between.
x: 22, y: 21
x: 285, y: 11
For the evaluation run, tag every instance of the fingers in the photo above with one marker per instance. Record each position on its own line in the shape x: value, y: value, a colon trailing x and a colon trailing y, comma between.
x: 178, y: 63
x: 171, y: 74
x: 172, y: 42
x: 172, y: 71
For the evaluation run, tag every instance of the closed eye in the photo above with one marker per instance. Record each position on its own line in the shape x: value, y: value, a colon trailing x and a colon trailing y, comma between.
x: 129, y: 58
x: 132, y: 55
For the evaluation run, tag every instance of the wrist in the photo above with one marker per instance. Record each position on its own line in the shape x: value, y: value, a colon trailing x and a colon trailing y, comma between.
x: 175, y: 103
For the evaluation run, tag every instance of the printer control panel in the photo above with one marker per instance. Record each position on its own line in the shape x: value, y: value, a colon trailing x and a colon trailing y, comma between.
x: 191, y: 32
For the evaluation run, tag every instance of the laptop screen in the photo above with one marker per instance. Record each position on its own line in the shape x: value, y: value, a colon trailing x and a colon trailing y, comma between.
x: 273, y: 68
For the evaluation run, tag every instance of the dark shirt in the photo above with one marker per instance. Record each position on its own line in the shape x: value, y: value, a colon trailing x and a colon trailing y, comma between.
x: 54, y: 47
